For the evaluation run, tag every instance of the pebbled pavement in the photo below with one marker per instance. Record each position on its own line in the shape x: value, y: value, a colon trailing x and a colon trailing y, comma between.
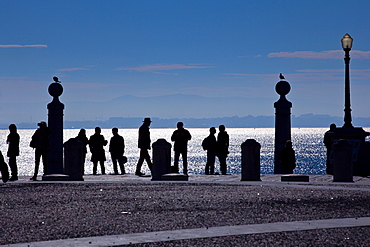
x: 115, y: 205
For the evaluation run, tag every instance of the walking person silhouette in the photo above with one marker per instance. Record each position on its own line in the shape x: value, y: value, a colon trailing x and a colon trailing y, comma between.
x: 144, y: 145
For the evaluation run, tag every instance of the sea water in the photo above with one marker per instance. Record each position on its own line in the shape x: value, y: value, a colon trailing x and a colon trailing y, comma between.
x: 307, y: 143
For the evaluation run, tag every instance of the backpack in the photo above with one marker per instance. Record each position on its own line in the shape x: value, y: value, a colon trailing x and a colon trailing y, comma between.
x: 205, y: 143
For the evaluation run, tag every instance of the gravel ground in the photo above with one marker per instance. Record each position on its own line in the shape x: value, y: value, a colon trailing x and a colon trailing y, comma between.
x: 38, y: 212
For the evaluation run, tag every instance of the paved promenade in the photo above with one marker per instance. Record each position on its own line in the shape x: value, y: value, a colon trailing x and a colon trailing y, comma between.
x: 110, y: 210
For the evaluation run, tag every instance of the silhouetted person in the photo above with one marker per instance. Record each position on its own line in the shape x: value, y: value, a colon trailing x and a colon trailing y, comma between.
x: 40, y: 141
x: 209, y: 144
x: 83, y: 138
x: 222, y: 148
x: 144, y: 145
x: 96, y: 144
x: 117, y: 149
x: 287, y: 158
x: 3, y: 169
x: 328, y: 144
x: 181, y: 137
x: 13, y: 151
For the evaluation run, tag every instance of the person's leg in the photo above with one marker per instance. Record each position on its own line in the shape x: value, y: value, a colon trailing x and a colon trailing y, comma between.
x: 44, y: 155
x: 207, y: 168
x: 184, y: 155
x: 222, y: 159
x: 95, y: 167
x: 114, y: 161
x: 176, y: 162
x: 212, y: 160
x: 102, y: 167
x: 13, y: 168
x: 147, y: 159
x: 121, y: 165
x: 140, y: 162
x: 37, y: 163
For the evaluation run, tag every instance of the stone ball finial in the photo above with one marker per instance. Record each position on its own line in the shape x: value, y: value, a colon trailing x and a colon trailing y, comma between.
x: 55, y: 89
x: 282, y: 88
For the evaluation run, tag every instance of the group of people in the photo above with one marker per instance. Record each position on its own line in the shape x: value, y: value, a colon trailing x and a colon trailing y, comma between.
x: 40, y: 142
x: 96, y: 143
x: 215, y: 147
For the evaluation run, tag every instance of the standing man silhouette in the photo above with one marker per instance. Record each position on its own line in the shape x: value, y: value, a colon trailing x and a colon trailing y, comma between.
x: 181, y: 137
x: 96, y: 144
x: 209, y: 144
x: 40, y: 141
x: 222, y: 148
x: 144, y: 145
x: 117, y: 149
x: 13, y: 151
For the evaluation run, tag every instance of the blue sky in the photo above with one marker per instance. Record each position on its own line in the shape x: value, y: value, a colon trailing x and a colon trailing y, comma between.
x: 102, y: 50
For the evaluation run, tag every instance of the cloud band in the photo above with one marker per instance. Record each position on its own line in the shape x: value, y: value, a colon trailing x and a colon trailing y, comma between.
x: 23, y: 46
x: 334, y: 54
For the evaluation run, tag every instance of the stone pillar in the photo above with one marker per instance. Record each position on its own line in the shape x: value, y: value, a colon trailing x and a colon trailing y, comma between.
x: 282, y: 123
x: 251, y: 160
x: 161, y: 158
x: 55, y: 124
x: 356, y: 137
x: 342, y: 162
x: 74, y: 159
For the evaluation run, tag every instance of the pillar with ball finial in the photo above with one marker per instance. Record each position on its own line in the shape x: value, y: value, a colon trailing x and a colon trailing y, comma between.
x: 282, y: 121
x: 55, y: 123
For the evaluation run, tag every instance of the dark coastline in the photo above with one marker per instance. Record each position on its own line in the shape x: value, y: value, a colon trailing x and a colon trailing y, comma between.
x: 302, y: 121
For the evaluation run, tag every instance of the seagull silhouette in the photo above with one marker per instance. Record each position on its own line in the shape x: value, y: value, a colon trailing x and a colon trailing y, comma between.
x: 281, y: 76
x: 56, y: 79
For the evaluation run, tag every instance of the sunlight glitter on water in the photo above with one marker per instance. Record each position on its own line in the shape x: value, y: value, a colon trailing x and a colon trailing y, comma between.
x: 307, y: 143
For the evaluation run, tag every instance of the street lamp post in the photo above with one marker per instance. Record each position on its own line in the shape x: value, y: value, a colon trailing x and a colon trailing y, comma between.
x: 347, y: 45
x: 359, y: 157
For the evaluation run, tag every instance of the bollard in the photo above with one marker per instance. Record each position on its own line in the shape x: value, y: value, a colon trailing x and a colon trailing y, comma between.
x: 161, y: 159
x: 342, y: 162
x: 74, y: 159
x: 251, y: 160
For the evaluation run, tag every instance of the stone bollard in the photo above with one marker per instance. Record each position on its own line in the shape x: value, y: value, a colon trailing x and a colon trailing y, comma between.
x: 74, y: 159
x: 161, y: 158
x: 342, y: 162
x: 251, y: 160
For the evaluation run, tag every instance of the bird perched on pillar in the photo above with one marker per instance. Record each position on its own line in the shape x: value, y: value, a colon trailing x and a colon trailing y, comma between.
x: 281, y: 76
x: 56, y: 79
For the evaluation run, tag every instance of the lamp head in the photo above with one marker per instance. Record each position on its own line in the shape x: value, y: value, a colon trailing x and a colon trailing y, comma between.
x: 347, y: 42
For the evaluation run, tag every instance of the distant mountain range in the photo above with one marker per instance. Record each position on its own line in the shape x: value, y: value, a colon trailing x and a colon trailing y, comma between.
x: 195, y: 111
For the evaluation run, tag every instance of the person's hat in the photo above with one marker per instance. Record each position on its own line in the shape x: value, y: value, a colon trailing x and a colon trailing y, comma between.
x: 147, y: 120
